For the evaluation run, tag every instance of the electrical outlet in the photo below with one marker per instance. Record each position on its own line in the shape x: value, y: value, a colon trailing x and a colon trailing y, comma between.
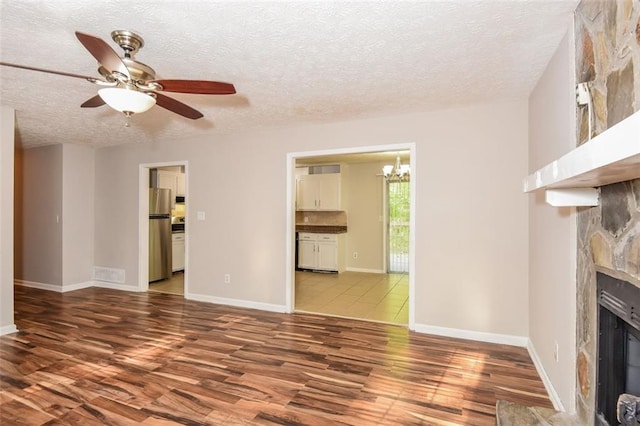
x: 306, y: 219
x: 227, y: 278
x: 355, y: 254
x: 556, y: 351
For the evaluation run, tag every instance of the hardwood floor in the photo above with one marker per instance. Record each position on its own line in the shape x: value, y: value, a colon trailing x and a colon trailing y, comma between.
x: 99, y: 356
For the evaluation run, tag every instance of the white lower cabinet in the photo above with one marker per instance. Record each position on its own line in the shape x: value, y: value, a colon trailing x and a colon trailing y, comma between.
x: 320, y: 252
x: 177, y: 247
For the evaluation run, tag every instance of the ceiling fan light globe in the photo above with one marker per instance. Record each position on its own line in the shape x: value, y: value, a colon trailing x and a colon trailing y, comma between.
x: 127, y: 100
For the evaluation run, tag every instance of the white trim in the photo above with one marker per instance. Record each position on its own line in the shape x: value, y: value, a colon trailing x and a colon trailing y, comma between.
x: 54, y: 287
x: 572, y: 197
x: 367, y: 270
x: 385, y: 224
x: 553, y: 395
x: 8, y: 329
x: 413, y: 162
x: 116, y: 286
x: 237, y: 303
x: 41, y: 286
x: 290, y: 234
x: 612, y: 156
x: 143, y: 227
x: 480, y: 336
x: 77, y: 286
x: 290, y: 209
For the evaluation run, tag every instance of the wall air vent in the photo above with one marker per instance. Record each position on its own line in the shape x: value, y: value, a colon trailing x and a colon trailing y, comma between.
x: 111, y: 275
x: 321, y: 170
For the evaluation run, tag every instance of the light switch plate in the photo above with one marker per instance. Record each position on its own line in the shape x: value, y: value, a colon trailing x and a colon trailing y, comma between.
x: 201, y: 215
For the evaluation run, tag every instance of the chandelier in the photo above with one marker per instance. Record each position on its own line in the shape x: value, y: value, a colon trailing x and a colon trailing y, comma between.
x: 396, y: 173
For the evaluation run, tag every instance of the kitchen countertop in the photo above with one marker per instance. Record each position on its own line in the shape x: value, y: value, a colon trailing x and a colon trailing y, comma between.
x: 321, y: 229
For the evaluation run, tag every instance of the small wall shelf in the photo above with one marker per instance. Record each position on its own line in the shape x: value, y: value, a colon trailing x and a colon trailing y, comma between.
x: 613, y: 156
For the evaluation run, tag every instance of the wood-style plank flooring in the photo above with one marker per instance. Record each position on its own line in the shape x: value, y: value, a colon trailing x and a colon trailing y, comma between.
x: 99, y: 356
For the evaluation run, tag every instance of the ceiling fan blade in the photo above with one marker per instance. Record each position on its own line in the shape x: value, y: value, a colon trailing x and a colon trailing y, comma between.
x: 202, y: 87
x: 103, y: 53
x: 66, y: 74
x: 177, y: 107
x: 96, y: 101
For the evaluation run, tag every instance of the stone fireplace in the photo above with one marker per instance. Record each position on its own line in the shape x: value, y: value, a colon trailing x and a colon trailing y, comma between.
x: 608, y: 56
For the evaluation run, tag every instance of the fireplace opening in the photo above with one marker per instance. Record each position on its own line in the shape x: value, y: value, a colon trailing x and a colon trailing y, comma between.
x: 618, y: 369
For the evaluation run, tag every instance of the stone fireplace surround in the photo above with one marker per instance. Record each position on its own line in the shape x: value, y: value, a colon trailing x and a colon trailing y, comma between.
x: 607, y: 35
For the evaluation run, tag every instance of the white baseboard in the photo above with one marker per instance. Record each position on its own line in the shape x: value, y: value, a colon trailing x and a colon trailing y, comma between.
x: 503, y: 339
x: 8, y: 329
x: 77, y: 286
x: 237, y: 302
x: 553, y: 395
x: 54, y: 287
x: 41, y: 286
x: 115, y: 286
x: 370, y: 271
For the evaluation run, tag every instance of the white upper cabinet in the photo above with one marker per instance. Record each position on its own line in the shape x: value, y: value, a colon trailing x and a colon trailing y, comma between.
x: 173, y: 181
x: 180, y: 184
x: 306, y: 192
x: 318, y: 192
x: 167, y: 180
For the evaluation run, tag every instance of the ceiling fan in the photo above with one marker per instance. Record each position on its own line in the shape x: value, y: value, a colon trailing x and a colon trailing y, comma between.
x: 129, y: 86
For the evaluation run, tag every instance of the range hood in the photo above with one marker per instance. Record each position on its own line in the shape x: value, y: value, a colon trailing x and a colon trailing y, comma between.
x: 613, y: 156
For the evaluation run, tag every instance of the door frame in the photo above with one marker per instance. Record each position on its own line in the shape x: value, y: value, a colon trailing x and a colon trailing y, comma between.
x: 291, y: 214
x: 144, y: 173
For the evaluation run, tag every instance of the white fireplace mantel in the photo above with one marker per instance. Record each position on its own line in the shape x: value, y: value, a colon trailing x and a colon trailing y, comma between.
x: 613, y: 156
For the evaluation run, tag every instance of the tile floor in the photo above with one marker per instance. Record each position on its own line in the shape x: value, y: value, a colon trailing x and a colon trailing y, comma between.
x: 173, y: 285
x: 376, y: 297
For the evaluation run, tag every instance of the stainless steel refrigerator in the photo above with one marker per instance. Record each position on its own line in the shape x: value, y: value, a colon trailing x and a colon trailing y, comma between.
x: 159, y: 234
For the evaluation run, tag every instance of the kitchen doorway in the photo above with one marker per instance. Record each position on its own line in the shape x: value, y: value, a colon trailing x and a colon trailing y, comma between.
x: 160, y: 179
x: 358, y: 290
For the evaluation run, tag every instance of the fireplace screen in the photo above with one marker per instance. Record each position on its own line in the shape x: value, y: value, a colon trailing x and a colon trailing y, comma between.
x: 618, y: 346
x: 633, y: 364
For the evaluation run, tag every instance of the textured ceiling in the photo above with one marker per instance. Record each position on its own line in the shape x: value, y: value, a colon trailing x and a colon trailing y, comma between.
x: 291, y: 62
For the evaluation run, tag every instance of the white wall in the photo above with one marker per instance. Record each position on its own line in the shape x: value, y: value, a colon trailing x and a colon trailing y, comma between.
x: 472, y: 245
x: 78, y: 168
x: 39, y: 260
x: 7, y: 118
x: 471, y: 216
x: 552, y: 273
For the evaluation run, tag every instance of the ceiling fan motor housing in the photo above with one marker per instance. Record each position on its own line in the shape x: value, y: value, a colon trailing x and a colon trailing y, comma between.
x: 130, y: 42
x: 139, y: 72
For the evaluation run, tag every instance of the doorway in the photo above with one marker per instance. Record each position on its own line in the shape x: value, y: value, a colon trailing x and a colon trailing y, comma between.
x: 171, y: 178
x: 368, y: 285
